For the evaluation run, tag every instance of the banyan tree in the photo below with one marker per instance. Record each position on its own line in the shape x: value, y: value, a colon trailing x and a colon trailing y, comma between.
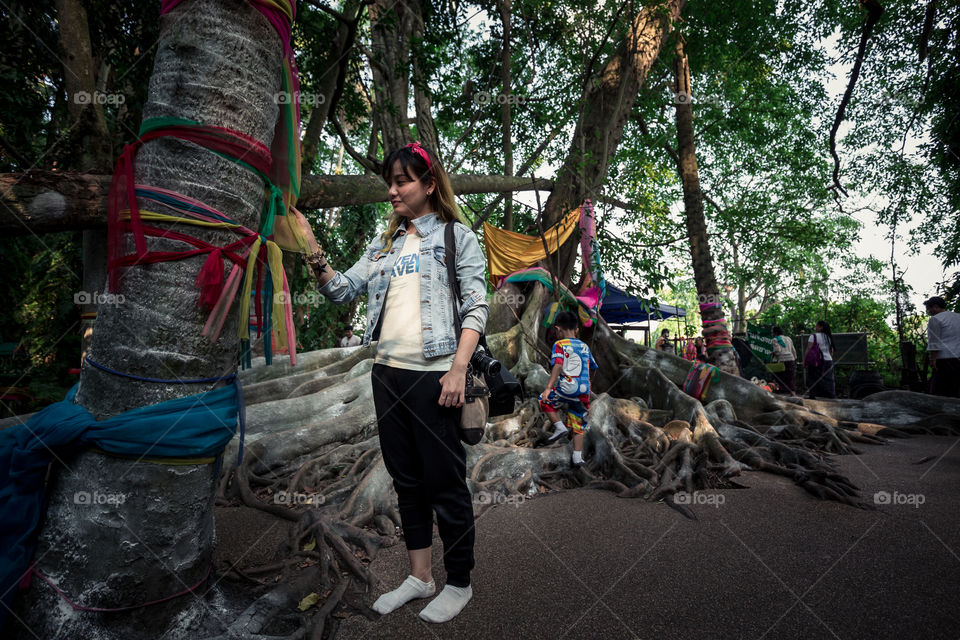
x: 208, y: 153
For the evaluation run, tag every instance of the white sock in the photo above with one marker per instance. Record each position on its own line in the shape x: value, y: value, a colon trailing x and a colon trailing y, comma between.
x: 448, y: 604
x: 560, y: 427
x: 578, y: 456
x: 411, y: 588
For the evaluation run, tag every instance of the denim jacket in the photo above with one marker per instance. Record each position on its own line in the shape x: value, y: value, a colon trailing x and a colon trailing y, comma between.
x: 371, y: 274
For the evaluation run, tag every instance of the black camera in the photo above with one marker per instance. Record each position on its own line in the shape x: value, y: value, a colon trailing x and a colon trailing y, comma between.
x: 484, y: 364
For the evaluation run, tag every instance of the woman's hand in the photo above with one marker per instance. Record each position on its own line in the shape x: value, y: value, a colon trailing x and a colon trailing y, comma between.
x: 307, y: 231
x: 453, y: 383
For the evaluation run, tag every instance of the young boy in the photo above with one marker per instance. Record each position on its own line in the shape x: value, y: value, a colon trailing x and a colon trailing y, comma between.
x: 569, y: 385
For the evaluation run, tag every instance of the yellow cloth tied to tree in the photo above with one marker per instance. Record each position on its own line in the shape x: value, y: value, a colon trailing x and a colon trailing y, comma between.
x: 509, y: 251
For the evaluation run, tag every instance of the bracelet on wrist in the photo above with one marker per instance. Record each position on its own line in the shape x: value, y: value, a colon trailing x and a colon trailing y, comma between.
x: 317, y: 262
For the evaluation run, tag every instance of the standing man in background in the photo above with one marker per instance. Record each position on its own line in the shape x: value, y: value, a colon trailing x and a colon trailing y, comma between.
x: 348, y: 339
x: 943, y: 343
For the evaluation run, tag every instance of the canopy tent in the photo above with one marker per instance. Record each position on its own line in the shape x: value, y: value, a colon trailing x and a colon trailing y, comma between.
x: 619, y: 307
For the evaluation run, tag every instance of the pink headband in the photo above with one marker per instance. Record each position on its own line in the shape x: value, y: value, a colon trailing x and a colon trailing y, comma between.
x: 420, y: 151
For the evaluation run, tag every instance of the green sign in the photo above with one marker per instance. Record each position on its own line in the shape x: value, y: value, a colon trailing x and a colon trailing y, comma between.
x: 760, y: 341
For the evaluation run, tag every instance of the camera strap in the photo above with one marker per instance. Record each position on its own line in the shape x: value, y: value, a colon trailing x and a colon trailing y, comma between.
x: 450, y: 257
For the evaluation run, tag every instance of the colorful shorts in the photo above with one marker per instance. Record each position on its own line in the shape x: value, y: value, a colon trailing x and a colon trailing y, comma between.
x: 576, y: 408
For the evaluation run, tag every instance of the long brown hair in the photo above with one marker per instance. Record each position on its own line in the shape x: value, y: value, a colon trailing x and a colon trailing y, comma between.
x: 441, y: 200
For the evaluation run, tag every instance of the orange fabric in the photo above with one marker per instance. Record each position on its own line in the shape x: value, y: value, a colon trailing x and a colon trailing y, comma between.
x: 509, y: 251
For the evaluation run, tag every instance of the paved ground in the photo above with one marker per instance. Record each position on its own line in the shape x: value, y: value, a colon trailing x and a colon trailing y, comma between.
x: 769, y: 562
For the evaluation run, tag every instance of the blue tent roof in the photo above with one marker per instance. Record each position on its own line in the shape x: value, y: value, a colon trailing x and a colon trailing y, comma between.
x: 620, y: 307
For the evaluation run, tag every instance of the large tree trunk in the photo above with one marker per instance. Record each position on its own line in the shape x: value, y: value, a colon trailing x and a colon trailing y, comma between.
x: 391, y: 25
x: 93, y: 148
x: 330, y: 85
x: 607, y: 102
x: 217, y: 62
x: 708, y: 291
x: 504, y: 8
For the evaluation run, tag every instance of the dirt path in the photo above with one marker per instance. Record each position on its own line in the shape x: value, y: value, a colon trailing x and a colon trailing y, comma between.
x: 767, y: 562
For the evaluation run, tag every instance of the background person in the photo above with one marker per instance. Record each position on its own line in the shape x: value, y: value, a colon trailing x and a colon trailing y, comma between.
x: 823, y: 381
x: 348, y: 339
x: 943, y: 345
x: 785, y: 352
x: 569, y: 386
x: 663, y: 342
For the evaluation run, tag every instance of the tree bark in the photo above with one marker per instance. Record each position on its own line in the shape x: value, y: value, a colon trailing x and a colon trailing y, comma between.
x: 607, y: 102
x: 330, y: 86
x: 703, y: 275
x: 422, y: 101
x: 89, y: 131
x: 391, y: 25
x: 217, y: 62
x: 91, y: 138
x: 505, y: 117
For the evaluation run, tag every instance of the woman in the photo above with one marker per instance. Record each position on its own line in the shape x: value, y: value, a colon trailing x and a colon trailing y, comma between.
x: 419, y: 369
x: 822, y: 377
x: 785, y: 352
x: 701, y: 349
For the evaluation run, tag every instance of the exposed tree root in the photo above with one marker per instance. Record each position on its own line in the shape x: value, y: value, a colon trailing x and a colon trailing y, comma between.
x: 314, y: 457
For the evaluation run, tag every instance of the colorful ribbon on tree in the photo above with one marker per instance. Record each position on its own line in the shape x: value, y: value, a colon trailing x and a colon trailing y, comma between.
x: 247, y: 152
x: 699, y: 378
x: 717, y: 337
x: 595, y: 287
x: 278, y: 167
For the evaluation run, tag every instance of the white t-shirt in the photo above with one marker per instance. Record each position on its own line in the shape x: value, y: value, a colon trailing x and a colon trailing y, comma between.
x: 943, y: 334
x: 401, y: 344
x: 352, y: 341
x: 824, y: 343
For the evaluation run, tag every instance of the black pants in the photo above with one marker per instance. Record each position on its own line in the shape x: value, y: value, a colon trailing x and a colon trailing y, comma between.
x: 946, y: 379
x: 821, y: 380
x: 788, y: 377
x: 423, y: 454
